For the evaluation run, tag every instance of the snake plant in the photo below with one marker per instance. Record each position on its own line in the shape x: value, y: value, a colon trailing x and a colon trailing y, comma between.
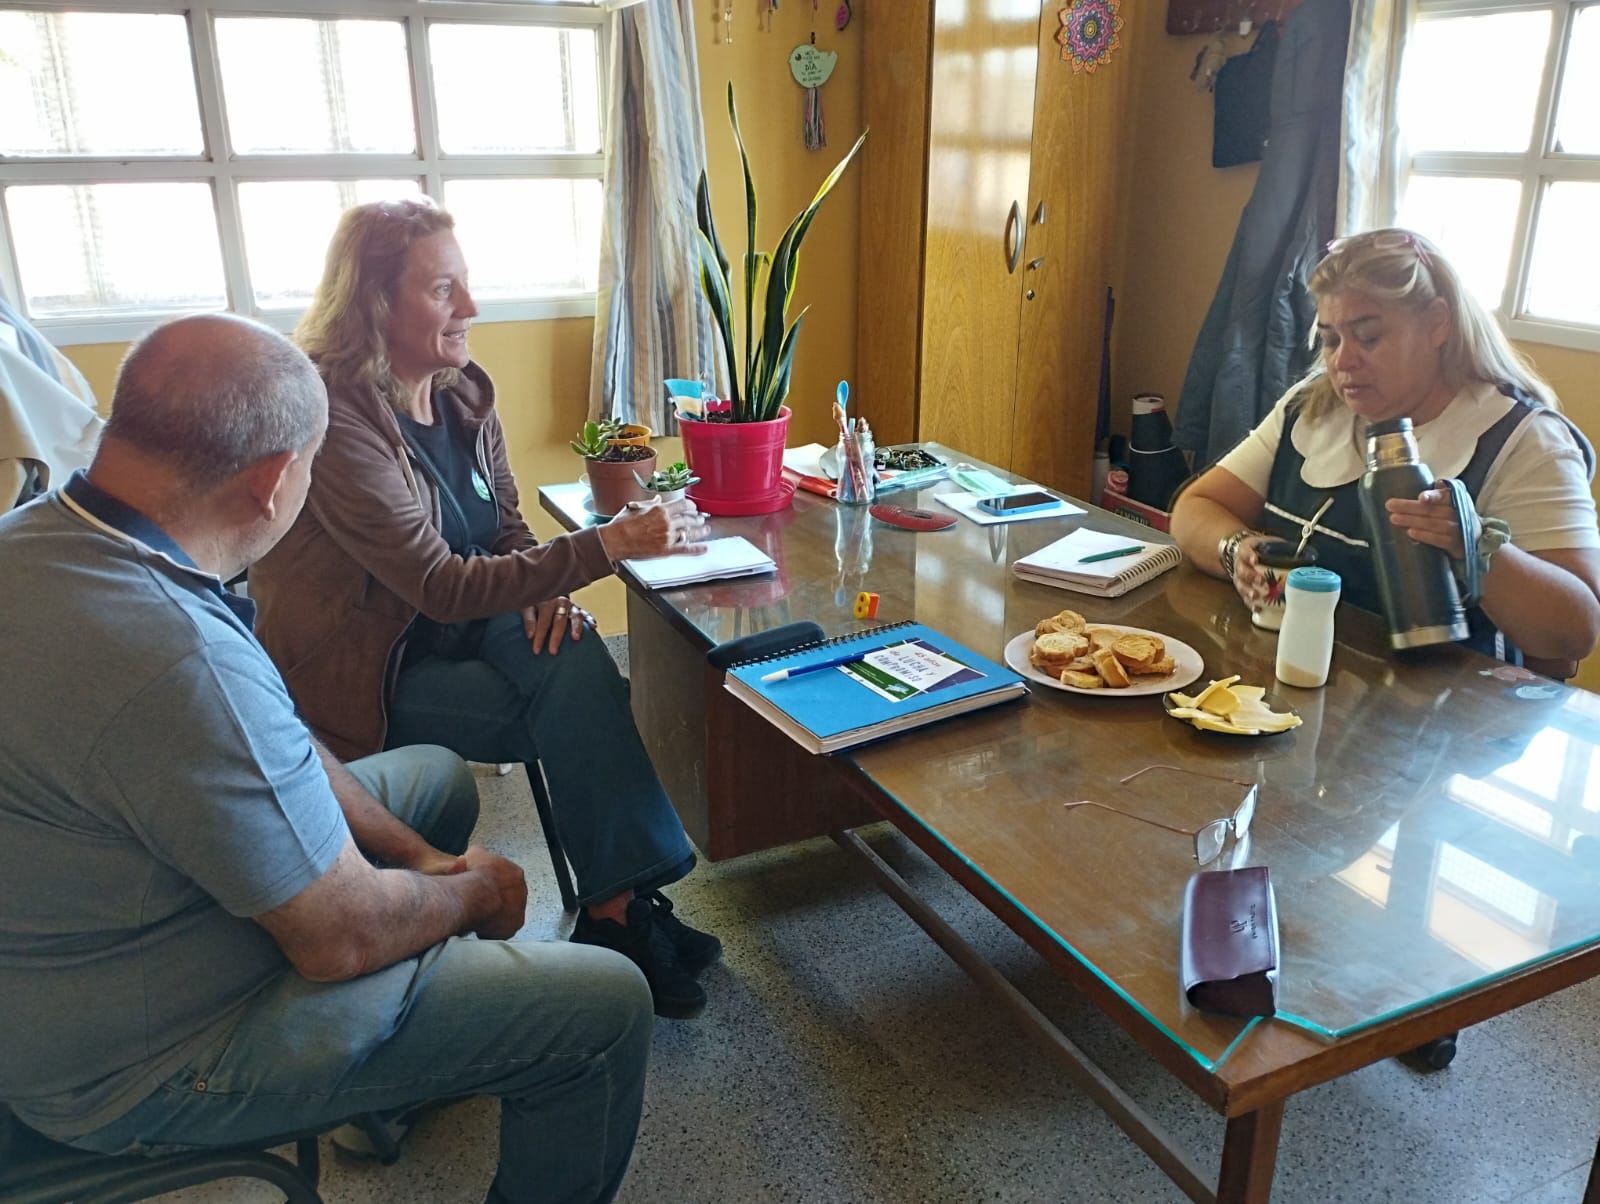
x: 757, y: 392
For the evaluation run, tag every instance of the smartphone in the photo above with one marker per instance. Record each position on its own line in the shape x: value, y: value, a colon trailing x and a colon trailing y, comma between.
x: 1018, y: 503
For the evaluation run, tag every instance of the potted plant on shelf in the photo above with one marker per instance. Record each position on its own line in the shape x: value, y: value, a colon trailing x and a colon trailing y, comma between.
x: 611, y: 467
x: 668, y: 484
x: 736, y: 447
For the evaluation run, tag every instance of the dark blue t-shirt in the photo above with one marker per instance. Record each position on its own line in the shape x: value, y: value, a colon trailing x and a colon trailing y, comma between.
x: 445, y: 451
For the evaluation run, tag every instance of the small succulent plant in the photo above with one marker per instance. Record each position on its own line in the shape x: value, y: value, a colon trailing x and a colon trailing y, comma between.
x: 665, y: 480
x: 592, y: 440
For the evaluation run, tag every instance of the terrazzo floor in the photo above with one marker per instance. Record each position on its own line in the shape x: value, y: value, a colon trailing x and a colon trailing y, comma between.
x: 844, y: 1058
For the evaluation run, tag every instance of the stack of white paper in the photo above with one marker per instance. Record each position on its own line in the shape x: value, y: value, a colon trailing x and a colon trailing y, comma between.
x: 734, y: 556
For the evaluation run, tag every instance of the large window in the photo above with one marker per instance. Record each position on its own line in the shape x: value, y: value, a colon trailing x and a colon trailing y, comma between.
x: 1500, y: 121
x: 179, y: 155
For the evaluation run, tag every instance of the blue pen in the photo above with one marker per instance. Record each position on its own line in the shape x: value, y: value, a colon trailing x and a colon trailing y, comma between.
x: 801, y: 670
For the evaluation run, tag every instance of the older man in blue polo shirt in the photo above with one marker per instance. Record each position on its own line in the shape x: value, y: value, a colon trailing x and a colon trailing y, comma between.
x: 210, y: 930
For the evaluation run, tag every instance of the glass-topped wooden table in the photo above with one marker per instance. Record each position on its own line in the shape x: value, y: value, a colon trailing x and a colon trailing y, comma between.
x: 1432, y: 829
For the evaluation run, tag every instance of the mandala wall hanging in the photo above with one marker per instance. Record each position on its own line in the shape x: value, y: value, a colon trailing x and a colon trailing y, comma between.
x: 1088, y: 33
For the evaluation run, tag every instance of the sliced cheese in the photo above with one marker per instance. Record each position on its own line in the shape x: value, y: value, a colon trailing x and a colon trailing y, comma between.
x: 1237, y: 710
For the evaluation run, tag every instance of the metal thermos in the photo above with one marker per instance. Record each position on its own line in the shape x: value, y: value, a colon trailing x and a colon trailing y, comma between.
x: 1415, y: 584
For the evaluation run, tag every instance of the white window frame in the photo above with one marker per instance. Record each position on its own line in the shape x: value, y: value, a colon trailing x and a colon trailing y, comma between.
x: 218, y: 166
x: 1532, y: 167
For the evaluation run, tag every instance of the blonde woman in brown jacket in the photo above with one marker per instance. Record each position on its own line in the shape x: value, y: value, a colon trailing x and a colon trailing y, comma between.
x: 410, y: 604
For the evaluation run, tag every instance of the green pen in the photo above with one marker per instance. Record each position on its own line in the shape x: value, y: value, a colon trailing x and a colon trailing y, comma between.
x: 1112, y: 554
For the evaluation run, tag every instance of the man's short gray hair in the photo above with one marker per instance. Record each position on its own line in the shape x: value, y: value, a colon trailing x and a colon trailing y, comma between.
x: 213, y: 394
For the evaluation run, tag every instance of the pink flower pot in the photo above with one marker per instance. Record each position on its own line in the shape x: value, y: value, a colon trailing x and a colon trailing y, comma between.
x: 740, y: 464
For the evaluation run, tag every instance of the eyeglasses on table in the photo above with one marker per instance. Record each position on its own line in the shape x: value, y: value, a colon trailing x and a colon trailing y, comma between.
x: 1209, y: 839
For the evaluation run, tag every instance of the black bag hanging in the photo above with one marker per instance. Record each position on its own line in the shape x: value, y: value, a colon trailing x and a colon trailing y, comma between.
x: 1243, y: 96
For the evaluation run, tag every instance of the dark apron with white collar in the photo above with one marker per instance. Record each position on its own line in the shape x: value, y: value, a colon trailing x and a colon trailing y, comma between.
x: 1340, y: 535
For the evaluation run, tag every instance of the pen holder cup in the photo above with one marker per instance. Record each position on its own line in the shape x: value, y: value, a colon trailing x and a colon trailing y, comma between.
x: 858, y: 479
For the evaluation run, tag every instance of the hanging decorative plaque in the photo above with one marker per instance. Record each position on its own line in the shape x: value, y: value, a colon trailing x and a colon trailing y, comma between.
x: 1088, y: 33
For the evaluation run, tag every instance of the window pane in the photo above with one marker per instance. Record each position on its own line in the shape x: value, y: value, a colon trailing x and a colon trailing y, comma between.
x: 1578, y: 109
x: 525, y: 238
x: 316, y: 86
x: 116, y: 248
x: 1566, y: 254
x: 515, y: 89
x: 1471, y: 83
x: 287, y: 226
x: 97, y: 84
x: 1472, y: 221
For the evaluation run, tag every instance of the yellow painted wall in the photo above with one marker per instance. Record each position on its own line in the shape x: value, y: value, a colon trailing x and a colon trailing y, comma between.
x: 1181, y: 214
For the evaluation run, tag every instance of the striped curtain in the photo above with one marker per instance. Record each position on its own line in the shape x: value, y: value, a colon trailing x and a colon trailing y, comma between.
x: 1370, y: 175
x: 651, y: 321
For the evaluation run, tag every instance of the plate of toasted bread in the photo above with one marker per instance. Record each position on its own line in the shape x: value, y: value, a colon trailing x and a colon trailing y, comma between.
x: 1068, y: 652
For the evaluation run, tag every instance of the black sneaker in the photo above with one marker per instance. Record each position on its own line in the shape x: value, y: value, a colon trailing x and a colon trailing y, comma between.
x: 675, y: 993
x: 696, y: 949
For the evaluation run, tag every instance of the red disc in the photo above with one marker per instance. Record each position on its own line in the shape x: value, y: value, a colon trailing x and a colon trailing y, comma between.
x: 911, y: 520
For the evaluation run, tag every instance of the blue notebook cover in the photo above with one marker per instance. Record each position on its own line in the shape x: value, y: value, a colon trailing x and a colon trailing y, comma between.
x: 844, y: 705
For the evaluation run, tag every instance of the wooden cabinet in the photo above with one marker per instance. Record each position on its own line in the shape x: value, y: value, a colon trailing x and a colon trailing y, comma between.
x: 988, y: 224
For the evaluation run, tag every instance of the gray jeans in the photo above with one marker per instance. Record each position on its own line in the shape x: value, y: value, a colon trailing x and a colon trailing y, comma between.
x: 560, y: 1032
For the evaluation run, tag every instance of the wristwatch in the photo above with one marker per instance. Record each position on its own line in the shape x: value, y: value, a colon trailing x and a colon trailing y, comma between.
x: 1228, y: 548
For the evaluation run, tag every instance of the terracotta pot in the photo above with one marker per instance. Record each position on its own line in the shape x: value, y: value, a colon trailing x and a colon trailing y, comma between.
x: 740, y: 464
x: 612, y: 485
x: 633, y: 435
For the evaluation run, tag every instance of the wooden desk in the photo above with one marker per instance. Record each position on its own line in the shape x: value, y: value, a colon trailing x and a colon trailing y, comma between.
x: 738, y: 783
x: 1427, y: 828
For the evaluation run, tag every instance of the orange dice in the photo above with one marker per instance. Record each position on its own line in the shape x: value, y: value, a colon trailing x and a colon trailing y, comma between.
x: 866, y: 605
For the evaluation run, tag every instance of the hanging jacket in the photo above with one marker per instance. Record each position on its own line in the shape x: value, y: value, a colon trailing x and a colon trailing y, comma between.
x: 1253, y: 344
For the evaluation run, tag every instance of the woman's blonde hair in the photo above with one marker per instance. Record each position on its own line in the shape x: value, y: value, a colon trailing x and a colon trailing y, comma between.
x: 343, y: 331
x: 1399, y: 267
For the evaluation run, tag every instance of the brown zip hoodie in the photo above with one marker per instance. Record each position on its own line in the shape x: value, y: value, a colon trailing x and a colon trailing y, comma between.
x: 365, y: 557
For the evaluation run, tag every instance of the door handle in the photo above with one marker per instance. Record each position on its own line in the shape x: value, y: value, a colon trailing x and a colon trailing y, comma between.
x: 1038, y: 215
x: 1035, y: 264
x: 1014, y: 237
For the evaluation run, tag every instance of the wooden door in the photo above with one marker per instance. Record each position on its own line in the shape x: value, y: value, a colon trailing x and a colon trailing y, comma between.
x: 1078, y: 130
x: 898, y: 44
x: 980, y: 131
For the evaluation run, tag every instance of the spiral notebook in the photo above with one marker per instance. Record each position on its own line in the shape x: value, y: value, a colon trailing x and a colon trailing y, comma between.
x: 870, y: 684
x: 1062, y: 563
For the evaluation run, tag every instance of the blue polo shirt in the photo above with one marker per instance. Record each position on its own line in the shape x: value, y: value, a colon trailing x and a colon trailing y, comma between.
x: 156, y: 791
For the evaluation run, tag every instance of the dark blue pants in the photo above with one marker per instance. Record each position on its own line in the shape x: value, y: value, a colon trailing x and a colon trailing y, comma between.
x: 569, y: 711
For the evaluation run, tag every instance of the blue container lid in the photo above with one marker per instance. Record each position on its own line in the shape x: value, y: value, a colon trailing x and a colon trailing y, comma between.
x: 1315, y: 580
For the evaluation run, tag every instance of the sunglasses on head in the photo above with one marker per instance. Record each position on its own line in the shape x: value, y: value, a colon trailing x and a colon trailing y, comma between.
x: 1389, y: 240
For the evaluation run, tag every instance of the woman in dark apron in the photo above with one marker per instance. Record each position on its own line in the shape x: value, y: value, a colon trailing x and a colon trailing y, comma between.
x: 1401, y: 337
